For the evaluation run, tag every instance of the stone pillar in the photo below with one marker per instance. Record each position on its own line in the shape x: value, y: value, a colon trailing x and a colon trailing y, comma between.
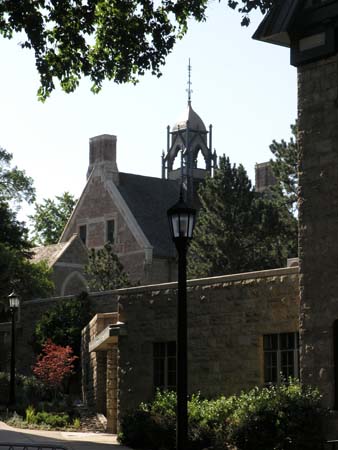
x: 100, y: 381
x: 112, y: 390
x: 318, y: 221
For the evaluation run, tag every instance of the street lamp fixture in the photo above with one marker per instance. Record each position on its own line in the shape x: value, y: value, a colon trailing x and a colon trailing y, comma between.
x: 14, y: 303
x: 181, y: 222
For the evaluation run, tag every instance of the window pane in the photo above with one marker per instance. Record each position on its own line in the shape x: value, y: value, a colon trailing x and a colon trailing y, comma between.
x: 171, y: 346
x: 159, y: 350
x: 164, y: 365
x: 270, y: 342
x: 280, y: 356
x: 83, y: 233
x: 110, y: 231
x: 270, y: 367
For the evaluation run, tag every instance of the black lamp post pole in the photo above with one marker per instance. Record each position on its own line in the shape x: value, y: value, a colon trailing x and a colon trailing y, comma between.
x: 182, y: 350
x: 12, y: 372
x: 181, y: 223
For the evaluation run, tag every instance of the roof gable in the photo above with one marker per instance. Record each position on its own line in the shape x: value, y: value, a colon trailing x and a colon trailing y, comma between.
x: 56, y: 252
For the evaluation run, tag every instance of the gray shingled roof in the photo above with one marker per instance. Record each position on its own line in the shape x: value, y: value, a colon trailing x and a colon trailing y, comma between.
x: 49, y: 253
x: 149, y: 199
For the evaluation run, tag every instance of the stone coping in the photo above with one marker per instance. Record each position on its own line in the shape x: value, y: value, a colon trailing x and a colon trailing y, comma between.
x: 107, y: 337
x: 284, y: 271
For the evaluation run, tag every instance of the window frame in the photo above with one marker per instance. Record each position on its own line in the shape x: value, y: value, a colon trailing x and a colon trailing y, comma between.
x: 164, y: 358
x: 277, y: 352
x: 83, y: 226
x: 107, y: 221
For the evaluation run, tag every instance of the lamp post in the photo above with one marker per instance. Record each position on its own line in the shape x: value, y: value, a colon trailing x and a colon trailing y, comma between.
x: 181, y: 223
x: 14, y: 303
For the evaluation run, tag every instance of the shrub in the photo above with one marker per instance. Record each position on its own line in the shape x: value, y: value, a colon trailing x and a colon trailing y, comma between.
x: 153, y: 425
x: 54, y: 365
x: 287, y: 417
x: 46, y: 418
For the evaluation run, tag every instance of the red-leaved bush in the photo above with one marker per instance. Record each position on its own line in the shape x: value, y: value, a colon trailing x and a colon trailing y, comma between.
x: 54, y: 364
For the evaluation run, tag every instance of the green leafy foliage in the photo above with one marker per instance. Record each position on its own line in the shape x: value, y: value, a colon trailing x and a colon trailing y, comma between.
x: 16, y: 271
x: 15, y: 185
x: 63, y: 323
x: 50, y: 218
x: 285, y: 168
x: 47, y: 418
x: 102, y: 39
x: 104, y: 270
x: 29, y: 391
x: 238, y: 229
x: 285, y: 417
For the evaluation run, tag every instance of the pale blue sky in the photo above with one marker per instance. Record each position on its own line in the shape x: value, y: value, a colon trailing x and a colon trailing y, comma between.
x: 245, y: 89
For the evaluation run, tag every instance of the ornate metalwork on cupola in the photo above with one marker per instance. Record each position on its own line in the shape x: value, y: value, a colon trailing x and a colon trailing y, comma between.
x: 187, y: 141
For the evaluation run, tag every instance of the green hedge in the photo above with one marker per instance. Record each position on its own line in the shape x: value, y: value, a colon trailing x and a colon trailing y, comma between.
x: 286, y: 417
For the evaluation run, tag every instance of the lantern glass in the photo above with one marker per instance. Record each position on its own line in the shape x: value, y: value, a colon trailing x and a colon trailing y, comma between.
x: 14, y: 301
x: 182, y: 221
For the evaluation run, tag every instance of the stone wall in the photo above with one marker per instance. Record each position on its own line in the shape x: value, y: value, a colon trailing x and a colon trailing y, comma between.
x: 31, y: 312
x: 227, y: 316
x: 318, y: 219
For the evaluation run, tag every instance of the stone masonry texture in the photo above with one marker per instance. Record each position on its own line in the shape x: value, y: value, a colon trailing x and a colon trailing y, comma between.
x: 227, y: 318
x: 318, y: 219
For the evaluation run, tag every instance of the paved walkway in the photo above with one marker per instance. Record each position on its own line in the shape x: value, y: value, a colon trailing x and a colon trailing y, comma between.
x: 69, y: 440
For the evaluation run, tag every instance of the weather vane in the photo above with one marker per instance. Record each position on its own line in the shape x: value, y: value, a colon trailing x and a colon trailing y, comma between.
x: 189, y: 90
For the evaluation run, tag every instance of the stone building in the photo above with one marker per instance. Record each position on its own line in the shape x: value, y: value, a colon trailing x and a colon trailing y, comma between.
x: 242, y: 332
x: 67, y: 260
x: 310, y: 29
x: 130, y: 210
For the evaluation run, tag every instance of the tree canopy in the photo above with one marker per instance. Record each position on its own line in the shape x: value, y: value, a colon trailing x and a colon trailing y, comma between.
x: 50, y: 218
x: 16, y: 271
x: 285, y: 167
x: 15, y: 185
x: 238, y: 229
x: 103, y: 39
x: 104, y: 270
x: 63, y: 323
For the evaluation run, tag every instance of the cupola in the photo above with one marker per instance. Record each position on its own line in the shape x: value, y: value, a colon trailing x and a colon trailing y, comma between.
x: 189, y: 156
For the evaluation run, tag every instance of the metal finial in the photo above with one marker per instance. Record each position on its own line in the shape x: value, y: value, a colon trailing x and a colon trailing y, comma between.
x: 189, y: 83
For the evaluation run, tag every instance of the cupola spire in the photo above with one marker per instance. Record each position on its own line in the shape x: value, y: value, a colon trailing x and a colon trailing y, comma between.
x: 189, y: 83
x: 189, y: 156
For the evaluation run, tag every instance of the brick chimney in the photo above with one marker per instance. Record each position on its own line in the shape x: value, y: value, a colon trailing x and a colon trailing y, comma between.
x: 102, y: 156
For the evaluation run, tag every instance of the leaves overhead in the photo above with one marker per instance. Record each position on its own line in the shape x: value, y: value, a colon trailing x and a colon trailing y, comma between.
x: 15, y: 185
x: 103, y: 39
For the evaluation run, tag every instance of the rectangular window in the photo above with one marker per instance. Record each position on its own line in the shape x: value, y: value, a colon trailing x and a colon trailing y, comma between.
x: 281, y: 355
x: 110, y: 227
x: 83, y: 233
x: 164, y: 365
